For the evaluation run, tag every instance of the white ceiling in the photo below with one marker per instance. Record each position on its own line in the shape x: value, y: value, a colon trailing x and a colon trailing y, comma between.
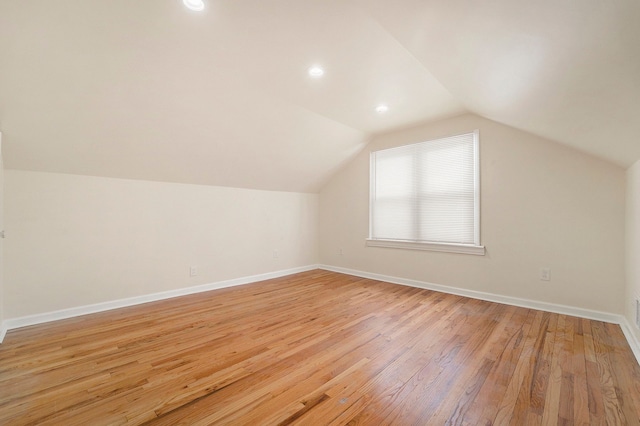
x: 150, y: 90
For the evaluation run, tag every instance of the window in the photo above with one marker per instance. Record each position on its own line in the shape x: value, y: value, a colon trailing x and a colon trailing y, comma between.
x: 427, y: 196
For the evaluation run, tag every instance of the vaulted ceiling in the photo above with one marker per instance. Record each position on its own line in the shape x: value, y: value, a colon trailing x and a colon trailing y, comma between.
x: 148, y: 89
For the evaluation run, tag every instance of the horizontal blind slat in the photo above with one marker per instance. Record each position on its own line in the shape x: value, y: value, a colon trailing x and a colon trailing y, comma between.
x: 426, y: 191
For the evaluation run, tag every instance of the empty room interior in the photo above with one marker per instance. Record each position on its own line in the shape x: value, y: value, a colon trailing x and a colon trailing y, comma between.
x: 410, y: 212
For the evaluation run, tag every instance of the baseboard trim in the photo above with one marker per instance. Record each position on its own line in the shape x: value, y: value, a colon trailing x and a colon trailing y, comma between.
x: 507, y: 300
x: 490, y: 297
x: 13, y: 323
x: 631, y: 337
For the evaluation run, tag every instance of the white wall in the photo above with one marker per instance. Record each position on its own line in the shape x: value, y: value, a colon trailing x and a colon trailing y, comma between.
x: 633, y: 245
x: 78, y: 240
x: 542, y: 204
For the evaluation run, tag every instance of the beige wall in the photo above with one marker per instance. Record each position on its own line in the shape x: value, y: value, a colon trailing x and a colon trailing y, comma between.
x: 77, y: 240
x: 542, y: 204
x: 2, y: 310
x: 633, y: 245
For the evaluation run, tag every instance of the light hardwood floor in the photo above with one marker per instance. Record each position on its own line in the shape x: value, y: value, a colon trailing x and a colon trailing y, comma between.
x: 319, y: 348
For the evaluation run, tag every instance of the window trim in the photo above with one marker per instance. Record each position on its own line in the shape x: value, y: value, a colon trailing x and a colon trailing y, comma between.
x: 416, y: 245
x: 474, y: 249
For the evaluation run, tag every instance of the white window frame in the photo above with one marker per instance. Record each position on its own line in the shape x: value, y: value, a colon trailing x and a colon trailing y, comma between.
x: 475, y: 249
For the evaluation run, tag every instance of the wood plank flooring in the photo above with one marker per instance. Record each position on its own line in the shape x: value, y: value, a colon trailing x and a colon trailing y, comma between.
x: 319, y: 348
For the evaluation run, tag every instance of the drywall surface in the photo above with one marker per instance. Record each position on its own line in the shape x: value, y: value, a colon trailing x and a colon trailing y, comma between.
x: 79, y: 240
x: 2, y: 310
x: 633, y: 246
x: 542, y: 205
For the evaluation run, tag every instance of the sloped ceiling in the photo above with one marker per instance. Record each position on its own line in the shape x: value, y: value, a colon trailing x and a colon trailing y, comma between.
x: 565, y: 70
x: 147, y: 89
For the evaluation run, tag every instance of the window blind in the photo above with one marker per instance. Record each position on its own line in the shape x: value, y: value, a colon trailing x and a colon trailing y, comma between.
x: 427, y: 192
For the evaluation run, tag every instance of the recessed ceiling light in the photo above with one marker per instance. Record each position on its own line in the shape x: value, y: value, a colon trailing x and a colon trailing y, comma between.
x: 382, y: 108
x: 197, y: 5
x: 316, y: 71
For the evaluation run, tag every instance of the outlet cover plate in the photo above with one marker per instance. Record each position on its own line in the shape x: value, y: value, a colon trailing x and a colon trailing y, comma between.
x: 545, y: 274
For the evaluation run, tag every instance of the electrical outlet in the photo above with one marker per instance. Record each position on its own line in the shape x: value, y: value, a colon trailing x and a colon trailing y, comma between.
x: 275, y: 254
x: 545, y: 274
x: 193, y: 271
x: 340, y: 252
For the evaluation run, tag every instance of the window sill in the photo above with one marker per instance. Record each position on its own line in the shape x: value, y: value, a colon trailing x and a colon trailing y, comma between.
x: 442, y: 247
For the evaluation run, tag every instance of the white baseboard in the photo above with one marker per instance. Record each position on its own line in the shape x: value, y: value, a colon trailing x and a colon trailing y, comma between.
x: 631, y: 337
x: 490, y: 297
x: 507, y: 300
x: 13, y: 323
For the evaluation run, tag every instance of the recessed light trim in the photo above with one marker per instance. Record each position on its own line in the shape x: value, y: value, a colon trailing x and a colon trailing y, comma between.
x: 382, y: 108
x: 316, y: 71
x: 197, y: 5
